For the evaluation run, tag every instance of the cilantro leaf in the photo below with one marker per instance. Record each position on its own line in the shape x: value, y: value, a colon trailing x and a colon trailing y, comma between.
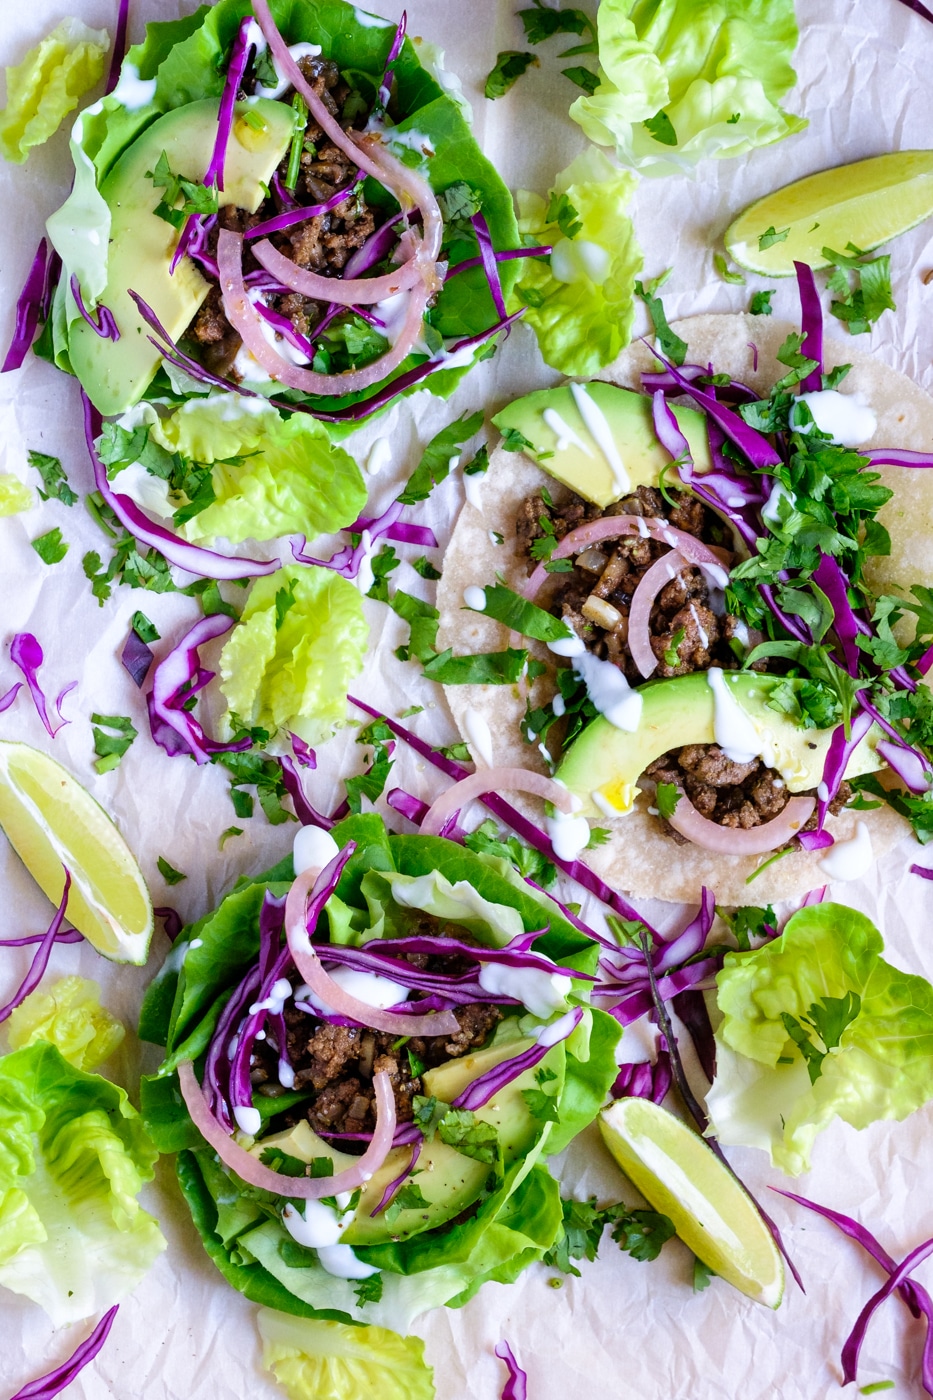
x: 427, y: 1113
x: 53, y: 478
x: 528, y: 862
x: 469, y: 1135
x: 722, y: 269
x: 771, y: 236
x: 50, y: 547
x: 408, y: 1197
x: 660, y: 128
x: 760, y: 304
x: 515, y: 612
x: 145, y: 630
x: 584, y: 78
x: 479, y: 668
x: 110, y: 748
x: 439, y: 457
x: 510, y: 65
x: 369, y: 1290
x: 541, y: 23
x: 667, y: 796
x: 670, y: 344
x: 169, y: 874
x: 565, y: 215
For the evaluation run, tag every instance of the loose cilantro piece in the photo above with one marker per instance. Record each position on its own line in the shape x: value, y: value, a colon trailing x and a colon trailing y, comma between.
x: 383, y: 564
x: 145, y: 630
x: 828, y: 1017
x: 460, y: 753
x: 771, y: 236
x: 599, y: 835
x: 469, y: 1135
x: 169, y: 874
x: 50, y: 547
x: 196, y: 198
x: 284, y: 601
x: 584, y: 78
x: 722, y: 268
x: 428, y: 1113
x: 666, y: 799
x: 53, y: 478
x: 542, y: 23
x: 672, y: 653
x: 749, y: 921
x: 515, y: 612
x: 862, y: 286
x: 255, y: 769
x: 372, y: 783
x: 578, y: 710
x: 565, y: 215
x: 439, y: 457
x: 760, y: 304
x: 670, y: 344
x: 369, y: 1290
x: 527, y: 861
x: 510, y: 65
x: 541, y: 1102
x: 641, y: 1232
x: 661, y: 128
x: 480, y: 668
x: 425, y: 568
x: 703, y: 1275
x: 412, y: 710
x: 408, y: 1197
x: 110, y: 748
x: 423, y: 620
x: 514, y: 441
x: 226, y: 835
x: 478, y: 463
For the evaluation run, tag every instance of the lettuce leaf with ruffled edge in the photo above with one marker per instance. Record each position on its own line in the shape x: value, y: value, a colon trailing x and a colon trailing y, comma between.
x: 291, y: 669
x: 47, y: 85
x: 73, y: 1157
x: 580, y: 300
x: 712, y: 71
x: 882, y: 1066
x: 309, y: 1357
x: 69, y: 1016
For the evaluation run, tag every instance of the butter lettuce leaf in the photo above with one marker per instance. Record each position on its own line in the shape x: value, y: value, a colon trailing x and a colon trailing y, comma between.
x: 310, y: 1358
x: 47, y: 85
x: 272, y: 475
x: 580, y: 301
x: 713, y: 71
x: 293, y: 670
x: 68, y: 1015
x: 73, y: 1157
x: 15, y: 495
x: 881, y: 1067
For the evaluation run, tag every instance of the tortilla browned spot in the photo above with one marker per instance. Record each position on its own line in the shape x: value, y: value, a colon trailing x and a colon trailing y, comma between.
x: 638, y: 858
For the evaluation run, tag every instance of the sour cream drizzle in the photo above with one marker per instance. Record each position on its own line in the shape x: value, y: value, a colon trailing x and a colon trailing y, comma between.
x: 609, y: 691
x: 734, y: 732
x: 848, y: 860
x: 601, y: 433
x: 566, y: 437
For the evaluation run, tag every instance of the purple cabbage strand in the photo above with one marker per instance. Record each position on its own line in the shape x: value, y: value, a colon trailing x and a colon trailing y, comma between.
x: 137, y: 657
x: 41, y: 958
x: 174, y: 681
x: 45, y: 1387
x: 811, y: 323
x: 32, y: 300
x: 7, y: 700
x: 105, y: 326
x: 488, y: 259
x: 26, y: 653
x: 516, y: 1387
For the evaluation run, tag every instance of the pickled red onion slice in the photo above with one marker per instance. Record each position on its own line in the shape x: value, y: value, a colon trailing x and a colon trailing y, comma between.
x: 734, y: 841
x: 494, y: 780
x: 662, y: 571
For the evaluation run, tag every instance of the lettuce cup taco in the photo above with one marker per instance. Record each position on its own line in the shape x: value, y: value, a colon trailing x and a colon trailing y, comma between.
x: 728, y: 620
x: 372, y: 1051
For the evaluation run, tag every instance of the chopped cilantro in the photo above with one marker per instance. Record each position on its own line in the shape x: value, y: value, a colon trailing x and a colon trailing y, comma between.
x: 703, y: 1275
x: 369, y: 1290
x: 760, y: 304
x: 862, y: 286
x: 284, y: 601
x: 53, y: 478
x: 510, y: 65
x: 383, y: 564
x: 469, y: 1135
x: 528, y: 862
x: 660, y: 128
x: 666, y: 799
x: 722, y: 268
x: 110, y: 748
x: 169, y: 874
x: 195, y: 197
x: 50, y: 547
x: 226, y: 835
x: 425, y: 568
x: 408, y: 1197
x: 565, y: 215
x: 584, y: 78
x: 672, y: 653
x: 514, y: 441
x: 771, y: 236
x: 145, y: 630
x: 440, y: 455
x: 670, y: 344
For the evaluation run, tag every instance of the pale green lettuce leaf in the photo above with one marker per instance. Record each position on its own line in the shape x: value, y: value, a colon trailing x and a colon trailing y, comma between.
x: 73, y: 1157
x: 881, y: 1068
x: 310, y: 1359
x: 46, y: 86
x: 581, y: 324
x: 289, y: 477
x: 432, y: 893
x: 296, y: 676
x: 68, y: 1015
x: 718, y: 69
x: 15, y: 495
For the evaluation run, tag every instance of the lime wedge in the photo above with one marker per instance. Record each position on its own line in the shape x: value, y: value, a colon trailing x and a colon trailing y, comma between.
x: 51, y: 822
x: 867, y: 204
x: 681, y: 1176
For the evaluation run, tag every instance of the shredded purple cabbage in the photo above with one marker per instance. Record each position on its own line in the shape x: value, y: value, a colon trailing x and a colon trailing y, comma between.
x: 488, y: 259
x: 137, y: 657
x: 837, y: 756
x: 853, y: 1343
x: 119, y: 47
x: 516, y: 1387
x: 105, y: 326
x: 174, y: 681
x: 66, y: 935
x: 171, y: 922
x: 543, y: 251
x: 348, y: 560
x: 303, y: 212
x: 907, y: 763
x: 755, y: 447
x: 394, y: 1185
x: 846, y: 624
x: 919, y: 9
x: 690, y: 1006
x: 239, y: 57
x: 196, y: 560
x: 385, y: 87
x: 811, y: 323
x: 45, y: 1387
x: 693, y: 937
x: 376, y: 249
x: 306, y: 814
x: 31, y: 303
x: 923, y: 871
x: 285, y: 328
x: 41, y: 958
x: 26, y: 653
x: 303, y: 751
x: 645, y: 1080
x: 7, y: 700
x: 411, y: 807
x: 484, y: 1088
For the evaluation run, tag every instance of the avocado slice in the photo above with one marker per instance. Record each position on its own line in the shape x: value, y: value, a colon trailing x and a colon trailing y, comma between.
x: 565, y: 447
x: 116, y: 374
x: 603, y: 765
x: 448, y: 1180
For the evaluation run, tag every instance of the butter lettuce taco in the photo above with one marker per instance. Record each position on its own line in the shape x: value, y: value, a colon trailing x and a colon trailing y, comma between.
x: 726, y: 566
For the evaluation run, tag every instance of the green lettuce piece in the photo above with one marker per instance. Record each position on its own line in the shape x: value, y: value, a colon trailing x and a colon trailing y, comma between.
x: 310, y: 1358
x: 580, y: 300
x: 73, y: 1157
x: 15, y: 495
x: 47, y: 85
x: 390, y: 895
x: 287, y: 476
x: 681, y: 80
x: 881, y: 1067
x: 69, y: 1015
x: 295, y: 675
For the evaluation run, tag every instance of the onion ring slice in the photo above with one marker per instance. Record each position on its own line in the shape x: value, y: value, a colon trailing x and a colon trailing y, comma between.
x: 734, y: 841
x: 662, y: 572
x: 344, y: 291
x: 494, y: 780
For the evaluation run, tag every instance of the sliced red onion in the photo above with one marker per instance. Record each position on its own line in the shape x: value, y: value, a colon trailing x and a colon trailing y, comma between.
x: 137, y: 657
x: 239, y: 57
x: 41, y: 959
x: 29, y: 305
x: 173, y: 728
x: 488, y: 259
x: 304, y: 1188
x: 316, y: 886
x: 394, y: 1185
x: 755, y: 447
x: 243, y: 317
x: 7, y: 700
x: 26, y: 653
x: 299, y: 214
x: 45, y: 1387
x: 105, y: 326
x: 898, y: 1275
x: 516, y: 1387
x: 727, y: 840
x: 285, y: 328
x: 345, y: 291
x: 609, y: 527
x: 811, y: 323
x: 204, y: 562
x: 306, y: 814
x: 494, y: 780
x: 662, y: 572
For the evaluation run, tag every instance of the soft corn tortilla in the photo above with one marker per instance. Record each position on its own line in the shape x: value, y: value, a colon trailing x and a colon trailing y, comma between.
x: 638, y: 857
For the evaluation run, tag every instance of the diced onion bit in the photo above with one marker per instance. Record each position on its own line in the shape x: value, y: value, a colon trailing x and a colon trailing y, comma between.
x: 597, y: 610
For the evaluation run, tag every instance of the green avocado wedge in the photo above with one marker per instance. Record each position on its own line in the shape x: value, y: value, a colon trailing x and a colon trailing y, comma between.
x: 116, y: 374
x: 562, y: 433
x: 603, y: 766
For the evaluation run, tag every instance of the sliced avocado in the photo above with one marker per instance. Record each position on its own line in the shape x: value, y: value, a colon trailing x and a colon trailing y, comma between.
x: 603, y: 766
x: 115, y: 374
x: 564, y: 446
x: 302, y: 1142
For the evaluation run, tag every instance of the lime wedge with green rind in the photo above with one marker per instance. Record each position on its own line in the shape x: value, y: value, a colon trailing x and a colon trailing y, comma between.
x: 865, y: 204
x: 680, y: 1176
x: 52, y: 822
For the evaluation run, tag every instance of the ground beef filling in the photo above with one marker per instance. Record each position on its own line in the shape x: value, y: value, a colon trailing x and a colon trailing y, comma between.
x: 323, y: 243
x: 689, y: 630
x: 337, y: 1063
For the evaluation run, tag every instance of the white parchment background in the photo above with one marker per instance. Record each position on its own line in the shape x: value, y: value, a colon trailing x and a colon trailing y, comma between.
x: 624, y: 1329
